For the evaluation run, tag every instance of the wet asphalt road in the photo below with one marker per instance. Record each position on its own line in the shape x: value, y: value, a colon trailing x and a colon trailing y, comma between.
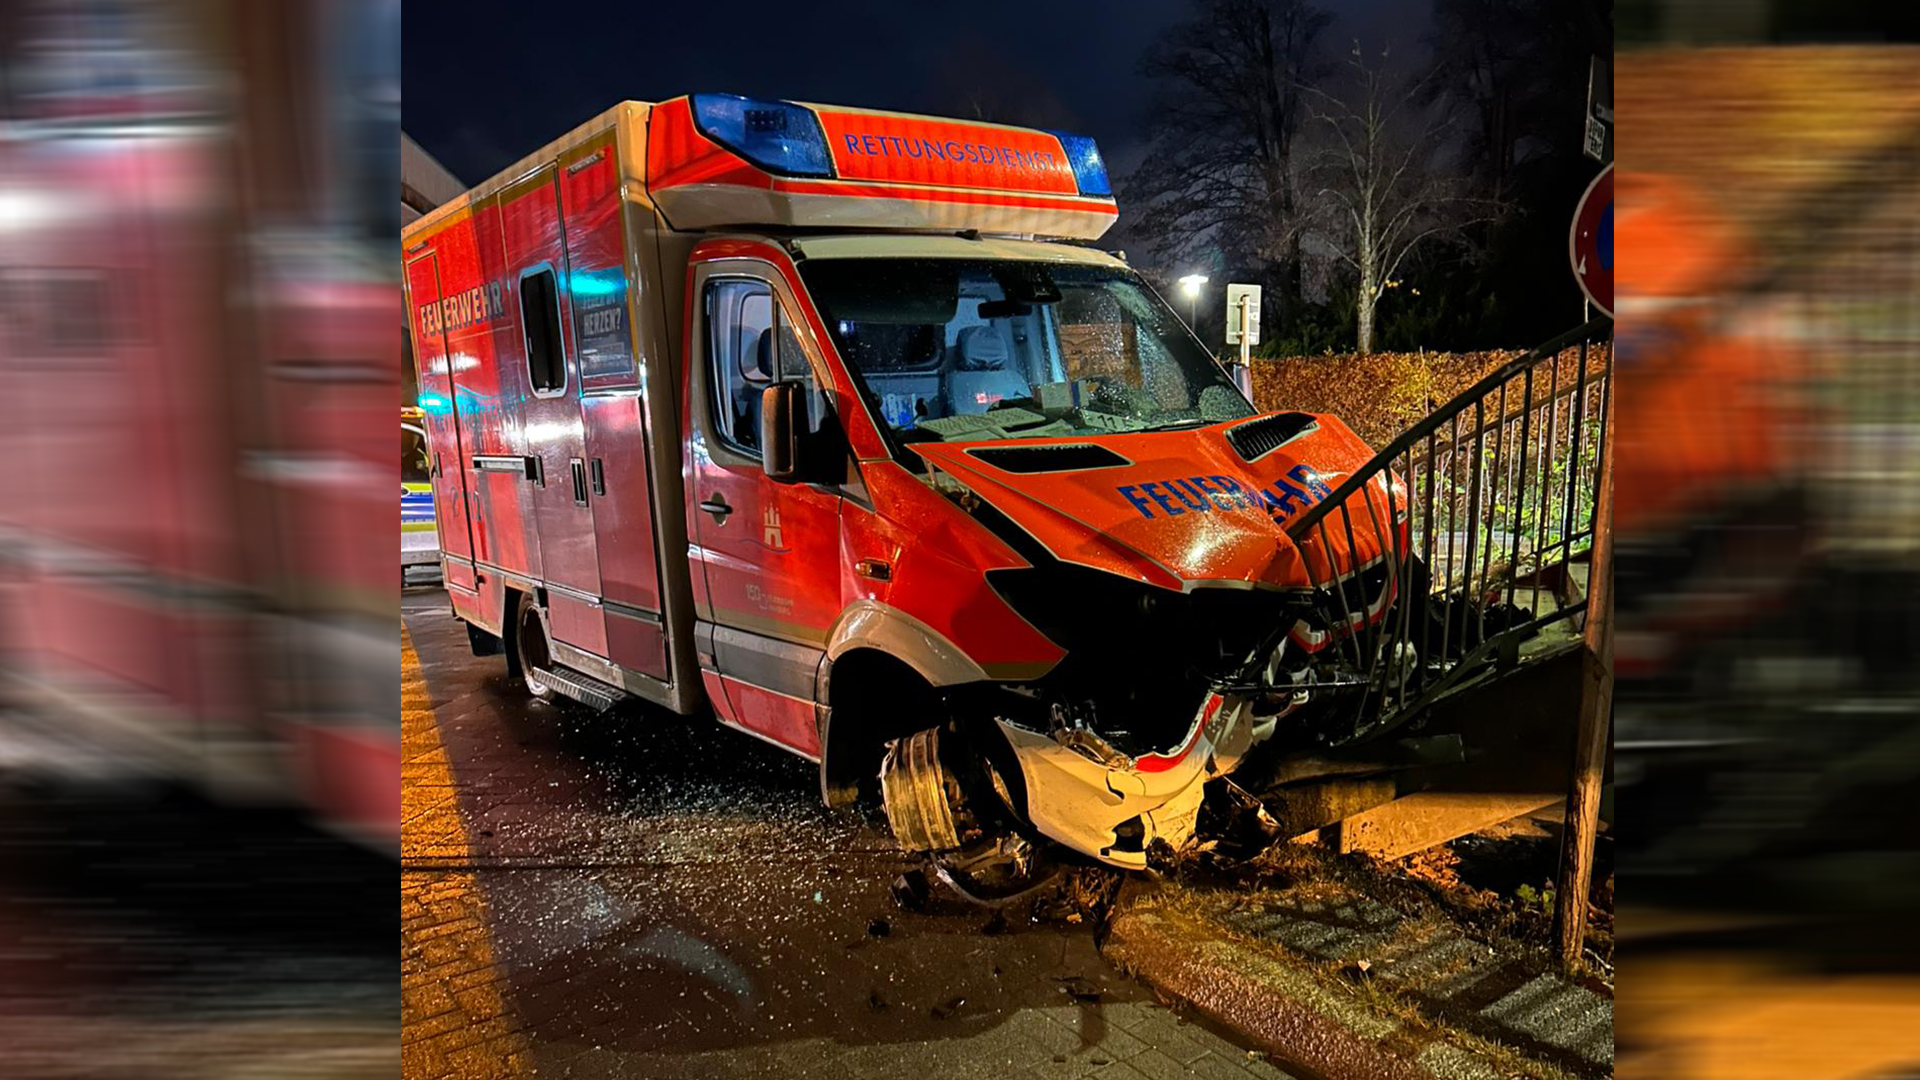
x: 640, y: 894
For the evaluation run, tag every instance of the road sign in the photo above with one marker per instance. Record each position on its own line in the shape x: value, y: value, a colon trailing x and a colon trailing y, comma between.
x: 1590, y: 244
x: 1243, y: 329
x: 1598, y: 142
x: 1251, y: 321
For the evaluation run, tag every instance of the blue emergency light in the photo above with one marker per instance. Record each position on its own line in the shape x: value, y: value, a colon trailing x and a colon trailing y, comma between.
x: 1089, y: 169
x: 778, y: 136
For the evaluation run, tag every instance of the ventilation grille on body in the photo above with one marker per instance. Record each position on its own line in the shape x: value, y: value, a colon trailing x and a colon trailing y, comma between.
x: 1257, y: 438
x: 1054, y: 458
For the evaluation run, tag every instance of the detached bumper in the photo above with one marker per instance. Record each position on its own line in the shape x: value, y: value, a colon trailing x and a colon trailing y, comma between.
x: 1114, y: 810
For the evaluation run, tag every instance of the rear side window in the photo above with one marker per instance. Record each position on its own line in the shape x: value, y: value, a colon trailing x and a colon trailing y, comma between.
x: 540, y: 318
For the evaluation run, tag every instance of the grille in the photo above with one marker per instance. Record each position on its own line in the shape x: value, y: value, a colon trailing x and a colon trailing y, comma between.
x: 1257, y: 438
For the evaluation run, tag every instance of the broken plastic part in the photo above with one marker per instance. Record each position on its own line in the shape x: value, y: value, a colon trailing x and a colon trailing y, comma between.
x: 1073, y: 729
x: 910, y: 890
x: 997, y: 871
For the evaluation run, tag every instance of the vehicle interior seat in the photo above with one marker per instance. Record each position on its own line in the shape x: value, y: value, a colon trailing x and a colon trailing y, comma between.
x: 981, y: 375
x: 756, y: 373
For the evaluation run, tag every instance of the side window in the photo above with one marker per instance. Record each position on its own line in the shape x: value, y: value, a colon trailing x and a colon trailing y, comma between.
x: 740, y: 349
x: 540, y: 322
x: 416, y: 464
x: 751, y: 344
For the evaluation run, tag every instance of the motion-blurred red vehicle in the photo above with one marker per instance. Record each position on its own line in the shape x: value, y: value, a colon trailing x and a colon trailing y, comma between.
x: 1711, y: 504
x: 198, y: 367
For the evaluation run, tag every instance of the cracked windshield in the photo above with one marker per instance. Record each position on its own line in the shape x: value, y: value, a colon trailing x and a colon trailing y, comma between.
x: 964, y: 350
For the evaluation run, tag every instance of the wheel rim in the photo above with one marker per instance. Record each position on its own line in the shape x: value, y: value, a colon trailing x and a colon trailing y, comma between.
x: 533, y: 651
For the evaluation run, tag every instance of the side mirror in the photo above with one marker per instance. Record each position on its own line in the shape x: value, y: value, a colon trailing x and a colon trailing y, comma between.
x: 781, y: 423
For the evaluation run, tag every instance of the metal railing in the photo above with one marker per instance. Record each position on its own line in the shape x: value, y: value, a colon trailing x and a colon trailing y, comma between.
x: 1481, y: 514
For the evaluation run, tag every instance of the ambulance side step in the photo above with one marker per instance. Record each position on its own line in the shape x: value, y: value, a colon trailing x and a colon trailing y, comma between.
x: 584, y: 689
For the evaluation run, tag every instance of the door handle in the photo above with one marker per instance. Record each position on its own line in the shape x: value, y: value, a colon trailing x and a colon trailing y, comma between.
x: 717, y: 506
x: 579, y: 470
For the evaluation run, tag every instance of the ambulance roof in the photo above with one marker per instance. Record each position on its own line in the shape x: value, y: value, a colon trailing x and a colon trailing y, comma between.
x: 544, y: 157
x: 907, y: 246
x: 717, y: 160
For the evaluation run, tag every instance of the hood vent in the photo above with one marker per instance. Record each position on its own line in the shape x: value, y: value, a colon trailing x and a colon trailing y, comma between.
x: 1051, y: 458
x: 1258, y: 438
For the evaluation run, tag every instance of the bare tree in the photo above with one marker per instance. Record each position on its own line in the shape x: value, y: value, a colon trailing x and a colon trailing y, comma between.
x: 1384, y: 185
x: 1219, y: 166
x: 1481, y: 63
x: 1504, y: 65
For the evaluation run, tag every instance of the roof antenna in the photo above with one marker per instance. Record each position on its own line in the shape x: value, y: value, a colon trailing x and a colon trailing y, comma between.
x: 969, y: 234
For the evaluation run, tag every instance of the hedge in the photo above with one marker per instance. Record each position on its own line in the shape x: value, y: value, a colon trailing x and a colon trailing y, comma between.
x: 1381, y: 394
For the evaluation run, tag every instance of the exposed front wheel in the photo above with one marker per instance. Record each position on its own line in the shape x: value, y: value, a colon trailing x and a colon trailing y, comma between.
x: 943, y: 800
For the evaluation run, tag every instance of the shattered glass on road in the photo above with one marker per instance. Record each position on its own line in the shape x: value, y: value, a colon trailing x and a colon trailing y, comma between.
x: 641, y: 894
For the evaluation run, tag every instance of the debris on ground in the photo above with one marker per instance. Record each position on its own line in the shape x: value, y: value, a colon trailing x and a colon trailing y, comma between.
x: 1083, y: 897
x: 1502, y: 879
x: 1439, y: 865
x: 910, y: 890
x: 1079, y: 989
x: 1238, y: 825
x: 1497, y: 883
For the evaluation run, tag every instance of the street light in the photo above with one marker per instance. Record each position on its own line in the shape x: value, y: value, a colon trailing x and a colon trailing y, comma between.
x: 1191, y: 286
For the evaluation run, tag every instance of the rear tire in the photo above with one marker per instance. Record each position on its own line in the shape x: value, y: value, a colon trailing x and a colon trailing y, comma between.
x: 530, y: 647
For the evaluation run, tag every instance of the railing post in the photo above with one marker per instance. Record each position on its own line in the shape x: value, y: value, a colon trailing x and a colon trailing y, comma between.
x: 1591, y: 740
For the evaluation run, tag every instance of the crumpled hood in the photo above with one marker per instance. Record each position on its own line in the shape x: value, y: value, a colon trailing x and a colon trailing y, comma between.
x: 1177, y: 507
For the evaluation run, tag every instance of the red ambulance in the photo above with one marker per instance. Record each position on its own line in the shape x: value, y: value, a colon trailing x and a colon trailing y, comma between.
x: 829, y: 420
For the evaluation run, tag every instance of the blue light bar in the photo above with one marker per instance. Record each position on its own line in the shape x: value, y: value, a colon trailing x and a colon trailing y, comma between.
x: 1089, y: 171
x: 778, y: 136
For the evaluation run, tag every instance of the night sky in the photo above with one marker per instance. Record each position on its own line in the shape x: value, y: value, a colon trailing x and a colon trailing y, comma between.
x: 488, y: 82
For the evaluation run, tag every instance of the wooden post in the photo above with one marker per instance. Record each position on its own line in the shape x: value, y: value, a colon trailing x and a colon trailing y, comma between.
x: 1592, y: 740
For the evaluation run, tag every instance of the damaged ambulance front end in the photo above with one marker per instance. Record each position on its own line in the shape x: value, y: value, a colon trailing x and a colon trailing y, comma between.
x: 1159, y: 565
x: 1051, y: 398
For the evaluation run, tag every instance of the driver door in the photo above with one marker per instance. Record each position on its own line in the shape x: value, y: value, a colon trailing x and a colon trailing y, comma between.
x: 769, y: 553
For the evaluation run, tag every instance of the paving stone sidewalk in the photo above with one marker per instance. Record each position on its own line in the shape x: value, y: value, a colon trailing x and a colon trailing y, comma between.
x: 1449, y: 976
x: 1358, y: 970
